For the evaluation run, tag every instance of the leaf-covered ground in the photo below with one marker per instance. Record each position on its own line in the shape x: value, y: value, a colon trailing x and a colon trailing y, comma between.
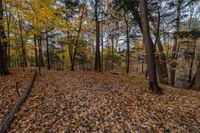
x: 8, y: 93
x: 92, y: 102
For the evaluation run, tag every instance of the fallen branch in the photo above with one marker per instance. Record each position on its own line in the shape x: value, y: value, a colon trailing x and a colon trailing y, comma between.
x: 17, y: 89
x: 4, y: 126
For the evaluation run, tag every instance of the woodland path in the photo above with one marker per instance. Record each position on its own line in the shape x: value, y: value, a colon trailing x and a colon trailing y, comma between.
x: 86, y: 101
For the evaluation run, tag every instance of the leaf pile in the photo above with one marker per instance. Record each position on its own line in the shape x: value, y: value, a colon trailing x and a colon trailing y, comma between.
x: 91, y: 102
x: 8, y: 93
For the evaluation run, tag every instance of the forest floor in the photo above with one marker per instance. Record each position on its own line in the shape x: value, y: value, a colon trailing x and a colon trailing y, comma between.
x: 64, y: 101
x: 8, y: 92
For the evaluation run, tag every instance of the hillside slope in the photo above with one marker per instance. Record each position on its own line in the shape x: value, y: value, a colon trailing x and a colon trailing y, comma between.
x: 86, y: 101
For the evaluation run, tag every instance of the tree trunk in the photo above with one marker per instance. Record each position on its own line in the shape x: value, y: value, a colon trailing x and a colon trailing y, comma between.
x: 102, y: 49
x: 8, y: 50
x: 40, y: 54
x: 168, y: 44
x: 77, y: 40
x: 3, y: 57
x: 36, y: 51
x: 47, y: 50
x: 51, y: 56
x: 24, y: 61
x: 196, y: 81
x: 3, y: 45
x: 195, y: 43
x: 149, y: 48
x: 70, y: 48
x: 128, y: 46
x: 160, y: 58
x: 63, y: 57
x: 97, y: 56
x: 192, y: 62
x: 112, y: 40
x: 175, y: 49
x: 18, y: 57
x: 8, y: 21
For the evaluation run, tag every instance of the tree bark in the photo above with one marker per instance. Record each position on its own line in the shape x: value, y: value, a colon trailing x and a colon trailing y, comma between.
x: 112, y: 40
x: 149, y: 48
x: 24, y: 61
x: 128, y: 45
x: 8, y: 21
x: 40, y: 54
x: 160, y: 58
x: 97, y: 55
x: 161, y: 63
x: 195, y: 43
x: 77, y: 40
x: 63, y: 57
x: 175, y: 49
x: 102, y: 49
x: 36, y: 51
x: 70, y: 48
x: 192, y: 62
x: 196, y: 81
x: 47, y: 50
x: 3, y: 45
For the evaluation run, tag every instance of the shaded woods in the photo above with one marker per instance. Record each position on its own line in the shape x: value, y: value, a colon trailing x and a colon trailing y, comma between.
x: 133, y: 53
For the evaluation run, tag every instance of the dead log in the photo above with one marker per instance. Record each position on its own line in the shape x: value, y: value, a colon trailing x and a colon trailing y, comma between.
x: 5, y: 124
